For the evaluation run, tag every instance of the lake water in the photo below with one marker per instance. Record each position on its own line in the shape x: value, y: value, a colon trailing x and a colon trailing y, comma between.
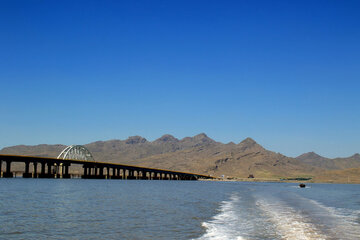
x: 116, y: 209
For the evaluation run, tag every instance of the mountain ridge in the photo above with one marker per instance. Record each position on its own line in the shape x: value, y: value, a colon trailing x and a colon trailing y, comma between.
x: 200, y: 154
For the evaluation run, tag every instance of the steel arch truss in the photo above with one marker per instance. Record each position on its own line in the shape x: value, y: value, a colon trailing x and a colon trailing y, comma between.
x: 76, y: 152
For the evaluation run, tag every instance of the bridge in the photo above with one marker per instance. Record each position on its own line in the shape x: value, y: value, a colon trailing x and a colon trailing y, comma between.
x: 45, y: 167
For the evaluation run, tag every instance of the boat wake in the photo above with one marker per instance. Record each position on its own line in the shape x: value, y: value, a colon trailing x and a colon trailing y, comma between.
x: 225, y: 224
x: 286, y: 216
x: 290, y: 224
x: 340, y: 223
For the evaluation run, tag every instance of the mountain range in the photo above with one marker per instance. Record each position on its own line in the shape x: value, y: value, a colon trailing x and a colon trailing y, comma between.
x: 203, y: 155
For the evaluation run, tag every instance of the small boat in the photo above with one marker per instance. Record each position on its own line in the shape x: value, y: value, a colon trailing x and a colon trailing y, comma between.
x: 302, y: 185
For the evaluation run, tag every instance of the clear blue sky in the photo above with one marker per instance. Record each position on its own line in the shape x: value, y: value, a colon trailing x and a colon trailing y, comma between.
x: 286, y: 73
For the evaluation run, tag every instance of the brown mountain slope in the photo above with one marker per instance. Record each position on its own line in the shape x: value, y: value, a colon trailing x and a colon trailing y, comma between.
x: 42, y: 150
x: 137, y: 147
x: 311, y: 157
x: 236, y: 160
x: 199, y: 154
x: 316, y: 160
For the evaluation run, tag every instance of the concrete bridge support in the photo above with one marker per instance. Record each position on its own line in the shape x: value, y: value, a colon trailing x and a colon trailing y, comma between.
x: 65, y: 172
x: 156, y: 176
x: 57, y: 170
x: 42, y: 171
x: 27, y: 173
x: 35, y: 174
x: 143, y: 175
x: 50, y: 173
x: 87, y: 171
x: 116, y: 173
x: 94, y: 172
x: 101, y: 173
x: 131, y: 174
x: 107, y: 173
x: 8, y: 173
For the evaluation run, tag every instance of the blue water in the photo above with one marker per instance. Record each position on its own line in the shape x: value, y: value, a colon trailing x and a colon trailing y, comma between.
x: 116, y: 209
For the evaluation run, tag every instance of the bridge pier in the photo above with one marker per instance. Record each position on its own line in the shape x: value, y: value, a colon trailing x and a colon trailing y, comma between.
x: 143, y: 175
x: 101, y: 173
x: 86, y: 171
x: 113, y: 173
x: 50, y: 174
x: 155, y: 176
x: 136, y: 174
x: 8, y: 173
x: 65, y: 172
x: 116, y: 173
x: 35, y: 174
x: 120, y: 176
x: 131, y: 175
x: 57, y: 170
x: 123, y: 173
x: 94, y: 172
x: 107, y: 173
x: 27, y: 173
x: 42, y: 171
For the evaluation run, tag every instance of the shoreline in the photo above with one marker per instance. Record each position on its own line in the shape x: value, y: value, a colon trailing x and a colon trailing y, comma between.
x: 270, y: 180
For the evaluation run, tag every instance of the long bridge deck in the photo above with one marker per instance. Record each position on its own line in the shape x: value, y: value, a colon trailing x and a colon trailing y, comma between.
x: 59, y: 168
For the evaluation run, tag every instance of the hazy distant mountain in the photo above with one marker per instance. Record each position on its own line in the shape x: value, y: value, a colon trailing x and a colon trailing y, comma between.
x: 133, y: 148
x: 42, y: 150
x: 316, y: 160
x: 200, y: 154
x: 310, y: 157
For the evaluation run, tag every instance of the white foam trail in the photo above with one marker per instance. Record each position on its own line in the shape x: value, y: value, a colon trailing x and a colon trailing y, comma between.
x: 223, y: 225
x: 289, y: 223
x: 344, y: 221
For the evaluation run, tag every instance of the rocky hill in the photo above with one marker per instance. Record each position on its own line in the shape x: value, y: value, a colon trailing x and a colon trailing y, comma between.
x: 201, y: 154
x: 316, y: 160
